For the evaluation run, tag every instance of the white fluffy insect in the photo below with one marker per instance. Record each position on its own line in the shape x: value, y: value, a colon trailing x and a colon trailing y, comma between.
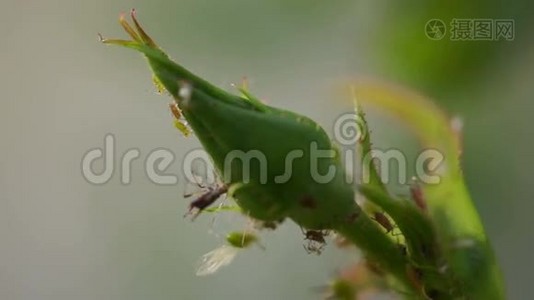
x: 215, y: 259
x: 222, y: 256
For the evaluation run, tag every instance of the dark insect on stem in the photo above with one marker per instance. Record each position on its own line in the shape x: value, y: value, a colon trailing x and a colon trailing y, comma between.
x: 316, y: 240
x: 381, y: 219
x: 206, y: 199
x: 316, y: 235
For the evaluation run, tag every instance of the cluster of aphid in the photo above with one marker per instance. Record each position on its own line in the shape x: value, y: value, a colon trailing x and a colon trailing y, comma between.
x: 314, y: 239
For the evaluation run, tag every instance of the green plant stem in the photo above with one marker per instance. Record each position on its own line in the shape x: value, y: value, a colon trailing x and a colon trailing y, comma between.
x: 377, y: 246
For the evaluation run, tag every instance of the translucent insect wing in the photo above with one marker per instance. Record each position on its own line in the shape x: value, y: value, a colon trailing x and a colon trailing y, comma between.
x: 214, y: 260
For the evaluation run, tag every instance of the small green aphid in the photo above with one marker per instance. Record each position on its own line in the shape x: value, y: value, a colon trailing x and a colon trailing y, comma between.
x: 160, y: 88
x: 241, y: 239
x: 178, y: 122
x: 222, y: 256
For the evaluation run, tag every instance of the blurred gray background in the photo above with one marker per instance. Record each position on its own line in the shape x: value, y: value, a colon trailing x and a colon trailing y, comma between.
x: 62, y: 92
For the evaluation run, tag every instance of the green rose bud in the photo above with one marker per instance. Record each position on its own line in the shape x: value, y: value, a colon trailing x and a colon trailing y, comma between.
x: 276, y: 163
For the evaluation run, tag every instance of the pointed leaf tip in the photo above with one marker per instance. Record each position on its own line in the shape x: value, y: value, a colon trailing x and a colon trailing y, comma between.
x: 144, y: 36
x: 131, y: 32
